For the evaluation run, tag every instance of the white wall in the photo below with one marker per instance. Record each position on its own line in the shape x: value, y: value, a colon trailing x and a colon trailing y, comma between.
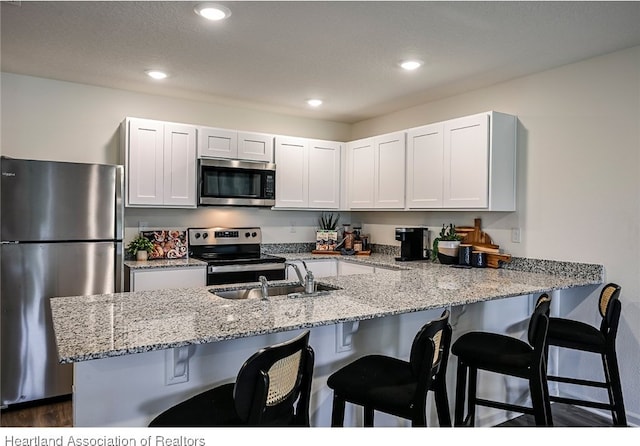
x: 578, y: 181
x: 578, y: 166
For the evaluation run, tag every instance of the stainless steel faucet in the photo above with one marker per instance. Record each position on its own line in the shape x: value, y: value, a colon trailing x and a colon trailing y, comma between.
x: 307, y: 281
x: 264, y: 285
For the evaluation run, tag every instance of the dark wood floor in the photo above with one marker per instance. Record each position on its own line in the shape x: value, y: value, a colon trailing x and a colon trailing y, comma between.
x: 59, y: 414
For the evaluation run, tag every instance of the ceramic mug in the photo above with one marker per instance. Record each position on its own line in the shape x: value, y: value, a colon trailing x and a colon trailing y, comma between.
x: 478, y: 259
x: 464, y: 255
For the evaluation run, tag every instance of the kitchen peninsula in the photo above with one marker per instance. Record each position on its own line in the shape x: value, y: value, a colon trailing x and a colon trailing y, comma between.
x: 139, y: 353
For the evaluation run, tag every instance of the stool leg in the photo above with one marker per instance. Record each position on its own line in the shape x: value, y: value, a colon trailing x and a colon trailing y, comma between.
x: 612, y: 376
x: 368, y: 416
x: 337, y: 413
x: 442, y: 403
x: 461, y: 390
x: 536, y: 389
x: 471, y: 405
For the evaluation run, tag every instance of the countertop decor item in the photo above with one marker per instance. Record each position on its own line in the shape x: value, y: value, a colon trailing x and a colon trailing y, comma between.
x: 327, y: 235
x: 449, y: 254
x: 140, y: 247
x: 167, y: 244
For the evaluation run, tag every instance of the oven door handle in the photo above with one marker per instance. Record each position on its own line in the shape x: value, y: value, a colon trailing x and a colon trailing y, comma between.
x: 242, y: 268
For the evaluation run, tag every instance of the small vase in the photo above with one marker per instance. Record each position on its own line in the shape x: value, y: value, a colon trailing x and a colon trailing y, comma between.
x: 448, y: 252
x: 142, y: 256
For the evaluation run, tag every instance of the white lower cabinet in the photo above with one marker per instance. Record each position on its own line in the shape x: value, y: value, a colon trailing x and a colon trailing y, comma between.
x: 320, y: 268
x: 165, y: 278
x: 349, y: 268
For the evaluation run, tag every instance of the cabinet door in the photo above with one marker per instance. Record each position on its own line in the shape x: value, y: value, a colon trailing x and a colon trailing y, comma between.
x: 361, y: 173
x: 324, y: 174
x: 255, y: 147
x: 292, y: 167
x: 466, y: 162
x: 179, y: 165
x: 319, y: 268
x: 145, y: 162
x: 390, y: 170
x: 349, y: 269
x: 168, y: 278
x: 425, y: 158
x: 217, y: 143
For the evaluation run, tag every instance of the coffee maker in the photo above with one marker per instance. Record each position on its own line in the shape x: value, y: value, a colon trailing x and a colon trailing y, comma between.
x: 413, y: 243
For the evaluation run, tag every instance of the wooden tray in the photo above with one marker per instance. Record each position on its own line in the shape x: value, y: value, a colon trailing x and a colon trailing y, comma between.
x: 494, y: 260
x: 338, y: 253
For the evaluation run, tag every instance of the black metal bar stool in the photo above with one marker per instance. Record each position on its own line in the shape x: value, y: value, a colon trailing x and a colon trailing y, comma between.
x: 272, y: 388
x: 576, y: 335
x: 398, y: 387
x: 508, y: 356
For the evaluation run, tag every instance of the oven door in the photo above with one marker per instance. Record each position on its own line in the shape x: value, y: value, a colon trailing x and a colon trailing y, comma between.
x: 223, y: 274
x: 236, y: 183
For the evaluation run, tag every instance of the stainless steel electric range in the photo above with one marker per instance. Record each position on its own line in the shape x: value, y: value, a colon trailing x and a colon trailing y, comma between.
x: 233, y: 255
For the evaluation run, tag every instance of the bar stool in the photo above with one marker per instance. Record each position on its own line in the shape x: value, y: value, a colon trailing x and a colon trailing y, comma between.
x: 272, y: 388
x: 398, y: 387
x: 508, y: 356
x: 576, y: 335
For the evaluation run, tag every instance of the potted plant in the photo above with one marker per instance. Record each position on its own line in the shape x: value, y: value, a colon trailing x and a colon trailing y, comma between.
x: 140, y: 247
x: 446, y: 244
x: 327, y: 235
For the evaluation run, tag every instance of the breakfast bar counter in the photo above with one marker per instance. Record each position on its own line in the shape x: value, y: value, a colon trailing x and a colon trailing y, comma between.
x: 155, y: 348
x: 93, y: 327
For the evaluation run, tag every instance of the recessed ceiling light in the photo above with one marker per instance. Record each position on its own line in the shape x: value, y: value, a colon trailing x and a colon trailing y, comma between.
x: 212, y: 11
x: 314, y: 102
x: 155, y: 74
x: 411, y: 65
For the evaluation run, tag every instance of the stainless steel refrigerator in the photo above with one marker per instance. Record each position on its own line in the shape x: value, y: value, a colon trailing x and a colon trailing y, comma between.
x: 61, y: 235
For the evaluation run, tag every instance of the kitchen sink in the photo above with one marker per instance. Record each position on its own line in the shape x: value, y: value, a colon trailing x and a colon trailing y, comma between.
x: 294, y: 290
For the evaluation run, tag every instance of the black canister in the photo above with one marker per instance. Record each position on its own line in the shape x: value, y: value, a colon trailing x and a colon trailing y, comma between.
x: 464, y: 255
x: 478, y: 259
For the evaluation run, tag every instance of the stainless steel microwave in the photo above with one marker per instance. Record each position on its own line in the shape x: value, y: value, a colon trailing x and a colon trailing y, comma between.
x: 236, y: 183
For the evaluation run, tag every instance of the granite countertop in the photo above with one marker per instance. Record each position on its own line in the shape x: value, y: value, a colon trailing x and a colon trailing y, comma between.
x: 164, y: 263
x: 100, y: 326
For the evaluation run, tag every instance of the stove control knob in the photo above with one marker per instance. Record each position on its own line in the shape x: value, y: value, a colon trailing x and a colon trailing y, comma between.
x: 197, y: 235
x: 253, y: 234
x: 205, y: 235
x: 247, y: 234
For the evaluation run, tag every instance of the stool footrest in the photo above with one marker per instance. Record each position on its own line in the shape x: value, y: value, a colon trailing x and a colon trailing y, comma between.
x: 576, y: 402
x: 578, y: 382
x: 505, y: 406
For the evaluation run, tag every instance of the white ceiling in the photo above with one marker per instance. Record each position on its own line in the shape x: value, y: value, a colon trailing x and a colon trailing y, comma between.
x: 275, y: 55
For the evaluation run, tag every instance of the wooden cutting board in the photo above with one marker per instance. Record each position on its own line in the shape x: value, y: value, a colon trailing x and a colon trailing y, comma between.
x: 474, y: 234
x: 481, y: 241
x: 338, y: 253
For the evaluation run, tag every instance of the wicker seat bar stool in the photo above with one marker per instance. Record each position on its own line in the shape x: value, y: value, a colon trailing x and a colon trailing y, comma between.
x: 579, y: 336
x: 272, y: 388
x: 398, y: 387
x: 504, y: 355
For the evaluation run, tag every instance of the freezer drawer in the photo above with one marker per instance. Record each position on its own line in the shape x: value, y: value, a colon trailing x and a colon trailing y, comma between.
x: 31, y: 274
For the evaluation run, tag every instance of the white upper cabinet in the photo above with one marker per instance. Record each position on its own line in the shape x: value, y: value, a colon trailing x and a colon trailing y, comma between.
x: 255, y: 146
x: 464, y: 163
x: 376, y: 172
x: 160, y: 163
x: 217, y: 143
x: 232, y: 144
x: 292, y: 172
x: 307, y: 173
x: 425, y: 149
